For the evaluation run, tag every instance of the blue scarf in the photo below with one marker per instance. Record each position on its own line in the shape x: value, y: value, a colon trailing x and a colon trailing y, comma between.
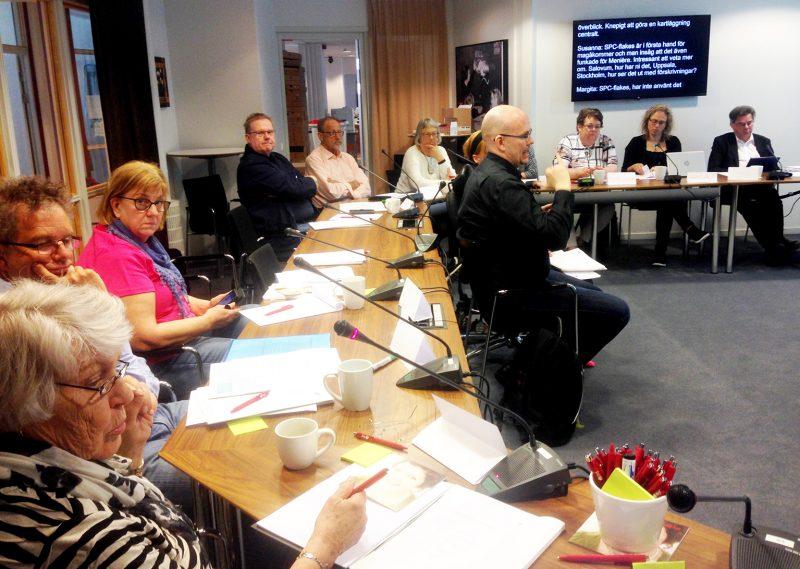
x: 167, y: 272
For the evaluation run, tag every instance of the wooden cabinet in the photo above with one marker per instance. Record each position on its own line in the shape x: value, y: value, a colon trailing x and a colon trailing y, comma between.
x: 296, y: 115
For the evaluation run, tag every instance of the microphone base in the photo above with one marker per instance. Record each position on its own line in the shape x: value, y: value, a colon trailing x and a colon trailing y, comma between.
x: 755, y: 552
x: 388, y: 291
x: 425, y: 241
x: 527, y: 474
x: 673, y: 179
x: 410, y: 261
x: 411, y: 213
x: 447, y: 366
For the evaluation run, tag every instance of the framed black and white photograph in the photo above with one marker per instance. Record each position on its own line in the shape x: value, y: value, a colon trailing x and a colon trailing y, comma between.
x: 161, y: 81
x: 482, y: 77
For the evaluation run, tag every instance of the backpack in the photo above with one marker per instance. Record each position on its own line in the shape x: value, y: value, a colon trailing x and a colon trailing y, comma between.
x: 544, y: 384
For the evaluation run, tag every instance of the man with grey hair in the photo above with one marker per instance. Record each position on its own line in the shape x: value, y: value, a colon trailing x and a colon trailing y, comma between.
x: 760, y: 206
x: 507, y: 236
x: 337, y: 173
x: 36, y: 241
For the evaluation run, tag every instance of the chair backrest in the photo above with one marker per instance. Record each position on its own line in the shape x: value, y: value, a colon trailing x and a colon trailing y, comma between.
x: 244, y: 239
x: 262, y: 264
x: 202, y: 195
x: 454, y: 199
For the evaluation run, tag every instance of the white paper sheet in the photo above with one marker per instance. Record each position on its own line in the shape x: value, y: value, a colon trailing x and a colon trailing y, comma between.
x: 362, y: 216
x: 412, y: 303
x: 574, y: 260
x: 198, y: 399
x: 338, y: 224
x: 372, y: 206
x: 428, y: 192
x: 300, y: 277
x: 333, y: 258
x: 304, y: 306
x: 412, y: 344
x: 463, y: 442
x: 583, y: 275
x: 621, y: 179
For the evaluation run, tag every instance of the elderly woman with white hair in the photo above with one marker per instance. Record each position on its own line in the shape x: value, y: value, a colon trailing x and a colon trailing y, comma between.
x: 426, y: 162
x: 67, y: 498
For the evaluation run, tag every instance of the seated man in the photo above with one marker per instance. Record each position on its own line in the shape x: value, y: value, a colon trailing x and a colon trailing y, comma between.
x: 36, y: 241
x: 499, y: 217
x: 271, y: 189
x: 337, y: 173
x: 759, y: 205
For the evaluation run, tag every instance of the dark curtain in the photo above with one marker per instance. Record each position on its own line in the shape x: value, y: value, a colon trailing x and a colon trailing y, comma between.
x: 123, y: 76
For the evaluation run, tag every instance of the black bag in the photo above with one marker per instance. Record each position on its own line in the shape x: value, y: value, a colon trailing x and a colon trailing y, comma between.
x: 544, y: 384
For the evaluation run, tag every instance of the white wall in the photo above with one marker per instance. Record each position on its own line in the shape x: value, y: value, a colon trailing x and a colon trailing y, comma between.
x: 321, y: 14
x: 751, y: 45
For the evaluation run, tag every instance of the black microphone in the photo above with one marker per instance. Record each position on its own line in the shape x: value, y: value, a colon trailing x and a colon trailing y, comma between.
x: 533, y: 471
x: 670, y: 178
x: 447, y: 365
x: 387, y: 291
x: 457, y: 155
x: 425, y: 241
x: 400, y: 166
x: 417, y: 196
x: 412, y: 260
x: 682, y: 499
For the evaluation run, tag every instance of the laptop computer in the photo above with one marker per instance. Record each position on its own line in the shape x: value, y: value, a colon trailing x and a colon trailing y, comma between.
x: 769, y: 163
x: 694, y: 161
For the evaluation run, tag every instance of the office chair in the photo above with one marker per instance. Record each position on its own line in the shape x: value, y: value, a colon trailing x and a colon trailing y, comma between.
x: 261, y: 265
x: 243, y: 238
x: 206, y: 209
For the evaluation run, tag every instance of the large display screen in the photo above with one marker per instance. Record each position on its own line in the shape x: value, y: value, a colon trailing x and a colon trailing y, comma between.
x: 639, y: 58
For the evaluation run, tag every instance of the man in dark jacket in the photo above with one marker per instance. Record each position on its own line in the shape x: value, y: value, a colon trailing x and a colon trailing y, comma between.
x: 271, y: 189
x: 507, y: 238
x: 759, y: 205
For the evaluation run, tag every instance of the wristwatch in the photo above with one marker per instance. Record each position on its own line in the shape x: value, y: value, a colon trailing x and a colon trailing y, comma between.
x: 308, y: 555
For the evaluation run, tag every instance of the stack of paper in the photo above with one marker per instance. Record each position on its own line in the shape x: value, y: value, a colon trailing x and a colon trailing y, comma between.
x: 304, y: 306
x: 300, y: 277
x: 332, y: 258
x: 577, y: 264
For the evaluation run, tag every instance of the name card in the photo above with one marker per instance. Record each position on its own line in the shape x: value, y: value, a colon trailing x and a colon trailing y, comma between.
x: 621, y: 178
x: 701, y: 177
x: 745, y: 174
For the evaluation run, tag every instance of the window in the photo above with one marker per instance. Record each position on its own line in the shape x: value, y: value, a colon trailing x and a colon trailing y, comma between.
x: 21, y: 89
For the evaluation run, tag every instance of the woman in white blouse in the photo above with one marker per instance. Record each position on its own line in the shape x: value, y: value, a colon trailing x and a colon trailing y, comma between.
x: 425, y: 163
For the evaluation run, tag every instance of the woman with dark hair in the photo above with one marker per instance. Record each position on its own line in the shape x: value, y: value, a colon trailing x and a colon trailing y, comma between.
x: 650, y: 149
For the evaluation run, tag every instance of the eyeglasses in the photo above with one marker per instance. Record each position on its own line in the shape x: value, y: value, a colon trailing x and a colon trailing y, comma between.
x: 332, y: 132
x: 143, y: 204
x: 592, y: 126
x: 49, y: 247
x: 524, y: 136
x: 261, y: 133
x: 429, y: 135
x: 120, y: 371
x: 656, y: 122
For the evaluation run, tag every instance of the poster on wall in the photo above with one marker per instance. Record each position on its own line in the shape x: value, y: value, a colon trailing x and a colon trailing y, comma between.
x: 482, y: 77
x: 161, y: 81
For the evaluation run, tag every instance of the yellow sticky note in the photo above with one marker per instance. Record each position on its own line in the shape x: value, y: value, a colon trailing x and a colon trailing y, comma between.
x: 621, y: 485
x: 247, y: 425
x: 660, y: 565
x: 366, y: 454
x: 369, y: 290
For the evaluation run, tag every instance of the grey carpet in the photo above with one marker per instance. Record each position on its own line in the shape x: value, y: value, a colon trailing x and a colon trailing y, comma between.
x: 706, y: 371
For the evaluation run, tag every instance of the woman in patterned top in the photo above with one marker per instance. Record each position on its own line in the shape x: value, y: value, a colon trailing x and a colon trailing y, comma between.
x: 66, y: 498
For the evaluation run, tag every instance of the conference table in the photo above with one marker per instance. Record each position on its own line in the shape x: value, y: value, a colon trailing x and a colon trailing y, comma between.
x: 650, y: 191
x: 234, y: 474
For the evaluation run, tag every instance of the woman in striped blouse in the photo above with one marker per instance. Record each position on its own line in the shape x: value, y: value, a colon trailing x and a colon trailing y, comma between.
x: 66, y: 498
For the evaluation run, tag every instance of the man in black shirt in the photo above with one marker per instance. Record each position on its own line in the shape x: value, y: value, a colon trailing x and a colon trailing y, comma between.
x: 508, y: 236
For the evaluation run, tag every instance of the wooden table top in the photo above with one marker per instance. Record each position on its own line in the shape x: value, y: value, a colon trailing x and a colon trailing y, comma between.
x: 660, y: 185
x: 246, y: 470
x: 206, y: 152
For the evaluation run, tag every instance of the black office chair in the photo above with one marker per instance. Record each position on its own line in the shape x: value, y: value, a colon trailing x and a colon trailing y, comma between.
x: 206, y: 209
x: 261, y: 266
x: 243, y: 237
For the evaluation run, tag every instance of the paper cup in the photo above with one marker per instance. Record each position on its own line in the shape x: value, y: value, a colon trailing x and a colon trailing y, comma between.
x: 358, y: 284
x: 392, y: 205
x: 599, y: 176
x: 659, y: 172
x: 628, y: 525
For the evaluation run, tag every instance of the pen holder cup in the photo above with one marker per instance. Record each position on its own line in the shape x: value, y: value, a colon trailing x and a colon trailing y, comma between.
x: 631, y: 526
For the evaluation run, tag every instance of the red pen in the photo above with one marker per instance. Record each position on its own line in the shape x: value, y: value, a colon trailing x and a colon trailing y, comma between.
x: 376, y: 440
x: 250, y: 401
x: 598, y: 559
x: 369, y: 482
x: 281, y: 309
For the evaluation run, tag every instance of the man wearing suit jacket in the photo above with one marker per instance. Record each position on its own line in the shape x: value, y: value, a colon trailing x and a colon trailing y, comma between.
x: 759, y: 205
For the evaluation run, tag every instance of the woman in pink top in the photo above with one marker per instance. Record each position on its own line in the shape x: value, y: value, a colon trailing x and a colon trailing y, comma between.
x: 136, y: 267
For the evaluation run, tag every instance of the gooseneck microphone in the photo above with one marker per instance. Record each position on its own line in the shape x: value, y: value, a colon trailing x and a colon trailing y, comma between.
x: 412, y: 260
x: 457, y: 155
x: 425, y: 241
x: 682, y: 499
x: 446, y: 366
x: 533, y: 471
x: 400, y: 167
x: 670, y: 178
x: 387, y: 291
x: 388, y: 183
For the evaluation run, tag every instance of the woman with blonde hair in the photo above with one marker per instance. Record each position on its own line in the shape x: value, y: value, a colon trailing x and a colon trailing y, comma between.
x: 136, y: 267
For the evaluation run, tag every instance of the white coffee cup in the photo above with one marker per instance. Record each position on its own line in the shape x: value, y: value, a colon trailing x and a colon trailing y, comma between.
x: 659, y: 172
x: 298, y: 442
x: 392, y: 205
x: 358, y: 284
x: 629, y: 525
x: 355, y: 384
x: 599, y: 176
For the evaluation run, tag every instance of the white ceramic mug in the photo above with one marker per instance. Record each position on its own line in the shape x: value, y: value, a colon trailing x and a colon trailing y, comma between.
x: 355, y: 384
x: 599, y: 176
x: 298, y: 442
x: 392, y: 205
x: 629, y: 525
x: 659, y: 172
x: 358, y: 284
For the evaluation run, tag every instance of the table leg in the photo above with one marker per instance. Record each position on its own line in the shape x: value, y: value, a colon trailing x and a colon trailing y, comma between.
x: 211, y: 167
x: 715, y: 236
x: 732, y: 228
x: 595, y: 208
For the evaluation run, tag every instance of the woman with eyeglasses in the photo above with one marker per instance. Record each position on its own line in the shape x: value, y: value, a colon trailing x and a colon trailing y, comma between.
x: 650, y: 149
x: 136, y: 267
x: 426, y: 162
x: 71, y: 490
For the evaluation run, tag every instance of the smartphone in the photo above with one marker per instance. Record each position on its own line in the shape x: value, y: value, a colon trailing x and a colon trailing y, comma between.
x: 406, y: 223
x: 227, y: 299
